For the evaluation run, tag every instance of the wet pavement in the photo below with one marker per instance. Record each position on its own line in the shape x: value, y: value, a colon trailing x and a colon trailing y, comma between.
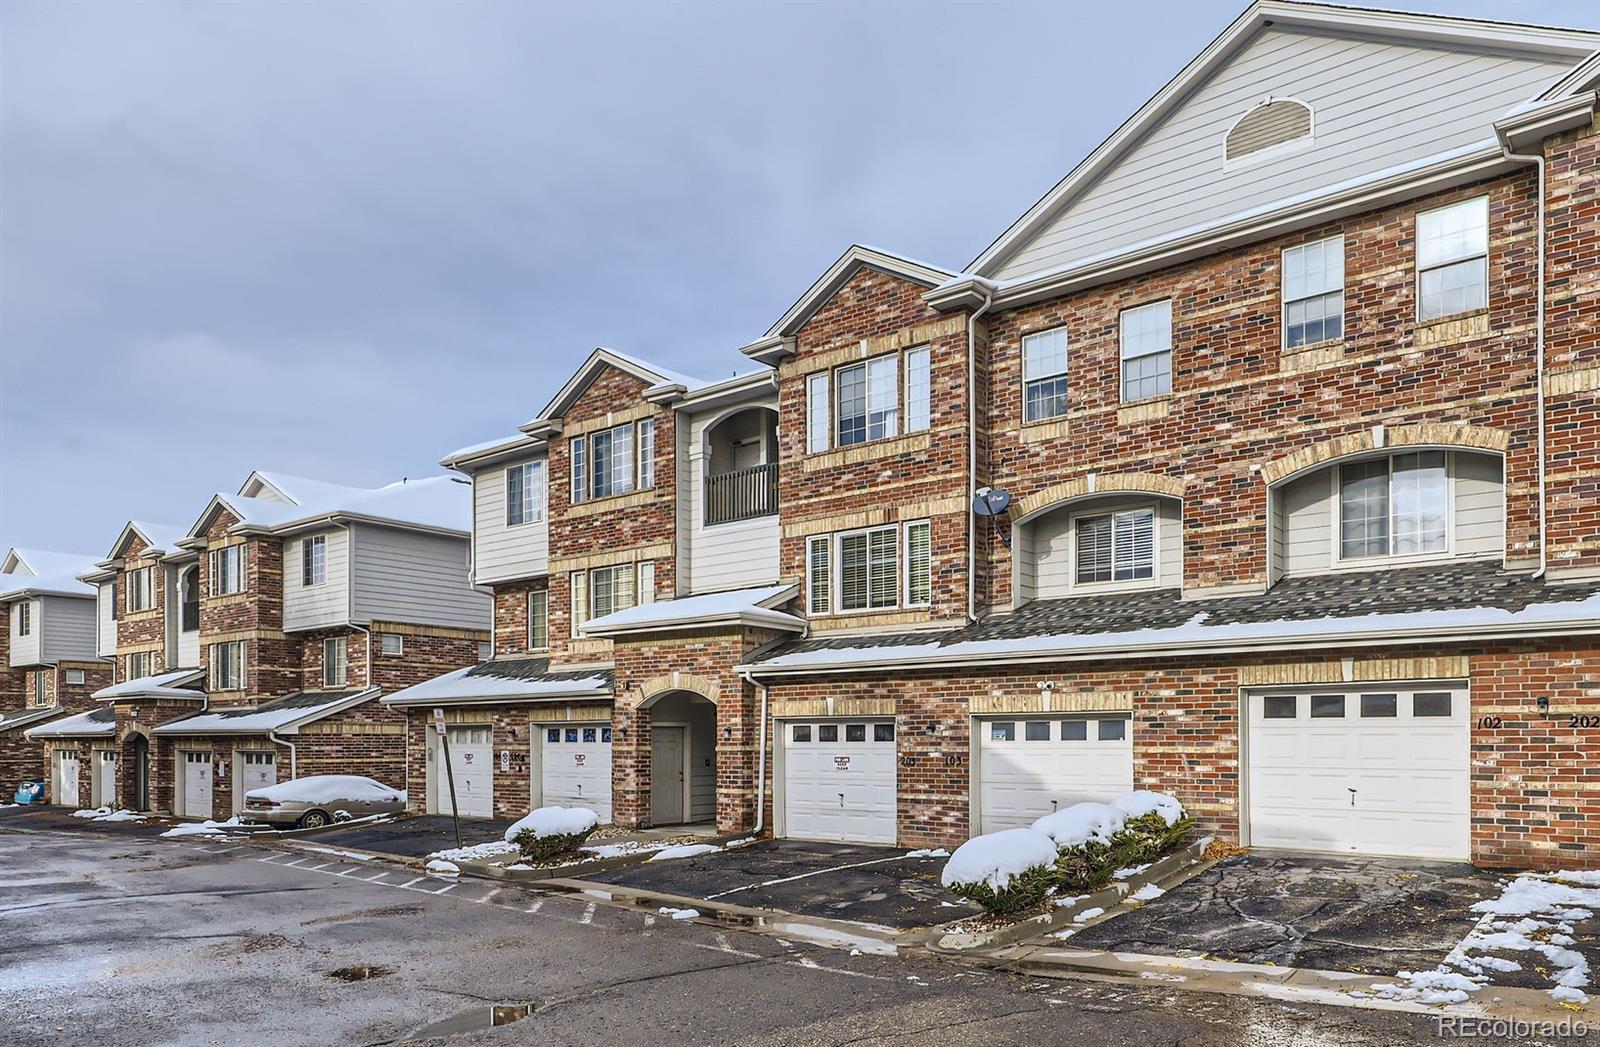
x: 1366, y: 915
x: 862, y: 884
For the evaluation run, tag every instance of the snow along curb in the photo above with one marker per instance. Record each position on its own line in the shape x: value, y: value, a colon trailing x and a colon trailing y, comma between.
x: 579, y: 869
x: 1175, y: 867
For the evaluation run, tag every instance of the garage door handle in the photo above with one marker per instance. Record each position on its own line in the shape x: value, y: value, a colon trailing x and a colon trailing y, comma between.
x: 1352, y: 793
x: 841, y: 799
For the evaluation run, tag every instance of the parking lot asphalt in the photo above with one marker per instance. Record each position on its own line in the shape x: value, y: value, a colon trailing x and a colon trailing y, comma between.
x: 117, y: 939
x: 414, y: 836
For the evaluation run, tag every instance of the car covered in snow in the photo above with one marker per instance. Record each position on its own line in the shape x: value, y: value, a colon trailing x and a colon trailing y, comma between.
x: 321, y: 799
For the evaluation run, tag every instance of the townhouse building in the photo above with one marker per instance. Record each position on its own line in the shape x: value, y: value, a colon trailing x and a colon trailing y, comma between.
x: 49, y: 667
x: 253, y: 644
x: 1258, y: 462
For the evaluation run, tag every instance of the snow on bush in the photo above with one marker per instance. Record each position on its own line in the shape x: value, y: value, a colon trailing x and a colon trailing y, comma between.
x: 327, y: 788
x: 1082, y: 823
x: 476, y: 852
x: 1141, y: 802
x: 1005, y: 871
x: 684, y: 850
x: 552, y: 831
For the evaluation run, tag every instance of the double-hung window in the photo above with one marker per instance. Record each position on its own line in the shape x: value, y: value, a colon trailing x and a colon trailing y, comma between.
x: 1313, y: 292
x: 862, y: 570
x: 24, y: 617
x: 141, y: 589
x: 579, y: 448
x: 817, y: 413
x: 1114, y: 547
x: 227, y: 570
x: 1394, y: 506
x: 335, y: 666
x: 611, y: 589
x: 1044, y: 375
x: 538, y: 620
x: 614, y: 461
x: 1146, y: 333
x: 226, y: 669
x: 919, y: 389
x: 41, y: 694
x: 869, y: 399
x: 919, y: 564
x: 869, y: 569
x: 524, y: 493
x: 647, y: 454
x: 819, y: 573
x: 139, y: 664
x: 1453, y: 259
x: 313, y: 560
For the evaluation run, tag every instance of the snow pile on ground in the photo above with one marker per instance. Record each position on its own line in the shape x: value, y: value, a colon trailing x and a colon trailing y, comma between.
x: 440, y: 867
x: 208, y: 828
x: 679, y: 914
x: 684, y: 850
x: 106, y: 814
x: 1088, y: 914
x: 994, y: 858
x: 1148, y: 893
x: 1141, y: 802
x: 929, y: 852
x: 746, y: 842
x: 1130, y: 871
x: 555, y: 821
x: 476, y: 852
x: 1534, y: 914
x: 1081, y: 823
x: 326, y: 788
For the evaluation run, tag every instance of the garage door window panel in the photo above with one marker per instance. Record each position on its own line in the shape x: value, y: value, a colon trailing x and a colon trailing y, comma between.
x: 1327, y: 706
x: 1377, y: 706
x: 883, y: 732
x: 1280, y: 707
x: 1112, y: 730
x: 855, y: 732
x: 1430, y: 704
x: 828, y: 732
x: 801, y: 732
x: 1003, y: 732
x: 1074, y: 730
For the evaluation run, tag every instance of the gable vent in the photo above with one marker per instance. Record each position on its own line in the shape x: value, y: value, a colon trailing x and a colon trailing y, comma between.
x: 1273, y: 122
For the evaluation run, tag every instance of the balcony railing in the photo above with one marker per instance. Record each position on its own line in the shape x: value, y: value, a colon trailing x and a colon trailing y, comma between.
x: 743, y: 494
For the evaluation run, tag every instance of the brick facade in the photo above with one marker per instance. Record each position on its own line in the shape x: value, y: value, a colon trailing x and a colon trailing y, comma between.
x: 21, y: 759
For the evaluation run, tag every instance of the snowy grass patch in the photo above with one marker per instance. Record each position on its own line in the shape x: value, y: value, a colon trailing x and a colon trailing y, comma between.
x: 477, y: 852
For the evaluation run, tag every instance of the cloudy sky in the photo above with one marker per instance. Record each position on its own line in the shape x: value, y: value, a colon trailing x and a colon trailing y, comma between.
x: 342, y: 239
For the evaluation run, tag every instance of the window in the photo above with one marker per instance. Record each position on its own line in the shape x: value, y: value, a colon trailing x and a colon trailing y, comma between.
x: 611, y: 589
x: 1327, y: 706
x: 1002, y: 732
x: 1074, y: 730
x: 919, y: 390
x: 334, y: 666
x: 646, y: 572
x: 869, y: 569
x: 538, y: 620
x: 578, y: 447
x: 1147, y: 351
x: 580, y: 601
x: 227, y: 666
x: 1279, y: 707
x: 111, y: 592
x: 227, y: 570
x: 392, y: 644
x: 647, y: 454
x: 1313, y: 292
x: 485, y: 650
x: 827, y: 732
x: 611, y: 462
x: 868, y: 401
x: 141, y: 589
x: 919, y: 564
x: 525, y: 494
x: 1453, y: 259
x: 1380, y: 705
x: 1112, y: 730
x: 139, y: 665
x: 589, y: 734
x: 817, y: 413
x: 1432, y: 703
x: 855, y: 732
x: 1044, y: 375
x: 24, y: 616
x: 313, y: 561
x: 1394, y: 506
x: 1036, y: 731
x: 76, y: 676
x: 801, y: 732
x: 190, y: 586
x: 818, y: 573
x: 1115, y: 547
x: 41, y: 695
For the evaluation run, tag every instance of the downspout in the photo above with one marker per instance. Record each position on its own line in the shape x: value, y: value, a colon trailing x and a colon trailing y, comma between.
x: 761, y: 764
x: 273, y: 737
x: 1537, y: 159
x: 972, y: 455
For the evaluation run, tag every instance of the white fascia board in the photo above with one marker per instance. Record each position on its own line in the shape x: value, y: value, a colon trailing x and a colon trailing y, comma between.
x: 757, y: 617
x: 341, y: 518
x: 542, y: 698
x: 751, y: 387
x: 293, y: 726
x: 1529, y: 128
x: 485, y: 455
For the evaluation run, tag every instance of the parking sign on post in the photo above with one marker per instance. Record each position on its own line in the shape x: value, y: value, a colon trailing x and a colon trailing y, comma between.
x: 449, y: 771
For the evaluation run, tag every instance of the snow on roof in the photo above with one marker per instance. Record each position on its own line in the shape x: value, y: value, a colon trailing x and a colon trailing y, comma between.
x: 48, y: 572
x: 162, y: 685
x: 160, y: 536
x: 506, y: 442
x: 506, y: 679
x: 282, y: 714
x: 739, y: 606
x: 93, y: 723
x: 668, y: 377
x: 12, y: 719
x: 433, y: 501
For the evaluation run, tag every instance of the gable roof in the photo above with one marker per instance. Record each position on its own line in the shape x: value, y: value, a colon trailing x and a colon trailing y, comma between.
x: 1561, y: 48
x: 659, y: 380
x: 431, y: 502
x: 503, y: 680
x: 31, y: 571
x: 284, y: 715
x: 158, y: 538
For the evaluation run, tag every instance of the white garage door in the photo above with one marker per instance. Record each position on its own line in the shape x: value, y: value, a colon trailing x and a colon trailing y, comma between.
x: 575, y: 767
x: 105, y: 781
x: 252, y: 770
x: 472, y: 764
x: 839, y: 781
x: 1370, y: 772
x: 66, y: 783
x: 196, y: 785
x: 1030, y: 768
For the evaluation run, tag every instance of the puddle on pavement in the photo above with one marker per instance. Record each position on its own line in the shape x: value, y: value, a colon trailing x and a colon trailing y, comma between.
x: 475, y: 1019
x: 360, y: 972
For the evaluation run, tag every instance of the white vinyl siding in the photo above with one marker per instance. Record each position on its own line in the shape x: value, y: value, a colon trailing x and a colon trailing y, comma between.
x: 1453, y: 259
x: 817, y: 413
x: 734, y: 555
x: 1379, y: 105
x: 335, y: 661
x: 1313, y: 292
x: 1146, y: 336
x: 404, y: 576
x: 225, y: 667
x: 1044, y: 554
x: 106, y: 614
x: 324, y: 603
x: 503, y: 552
x: 26, y: 647
x: 228, y: 568
x: 919, y: 390
x: 1044, y: 375
x: 64, y: 629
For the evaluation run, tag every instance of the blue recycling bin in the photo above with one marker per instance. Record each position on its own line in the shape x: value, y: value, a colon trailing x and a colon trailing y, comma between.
x: 31, y: 792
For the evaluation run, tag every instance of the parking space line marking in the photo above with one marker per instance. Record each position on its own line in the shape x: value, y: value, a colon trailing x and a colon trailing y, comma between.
x: 812, y: 965
x: 490, y: 896
x: 446, y: 888
x: 411, y: 881
x: 730, y: 950
x: 536, y: 906
x: 802, y: 876
x: 380, y: 875
x: 722, y: 940
x: 588, y: 914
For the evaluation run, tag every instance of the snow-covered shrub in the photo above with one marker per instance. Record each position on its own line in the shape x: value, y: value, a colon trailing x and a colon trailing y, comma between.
x: 1156, y: 823
x: 1088, y: 839
x: 1005, y: 872
x: 552, y: 831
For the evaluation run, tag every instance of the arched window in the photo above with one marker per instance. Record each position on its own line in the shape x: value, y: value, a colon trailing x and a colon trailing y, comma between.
x: 1274, y: 122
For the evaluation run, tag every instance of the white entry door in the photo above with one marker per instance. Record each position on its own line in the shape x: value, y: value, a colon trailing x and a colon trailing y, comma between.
x: 575, y: 767
x: 472, y: 764
x: 66, y: 783
x: 1028, y: 768
x: 196, y: 785
x: 1369, y: 771
x: 839, y: 781
x: 252, y: 770
x: 105, y: 778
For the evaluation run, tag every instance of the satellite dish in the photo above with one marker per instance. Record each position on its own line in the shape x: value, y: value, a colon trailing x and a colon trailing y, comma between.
x: 986, y: 501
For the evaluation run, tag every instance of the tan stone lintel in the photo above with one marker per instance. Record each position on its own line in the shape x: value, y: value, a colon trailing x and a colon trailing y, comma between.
x: 1135, y: 414
x: 353, y: 728
x: 1378, y: 437
x: 1366, y: 669
x: 606, y: 505
x: 1322, y: 354
x: 594, y: 711
x: 141, y: 648
x: 872, y: 621
x: 868, y: 452
x: 443, y: 632
x: 676, y: 681
x: 224, y: 601
x: 129, y: 617
x: 1444, y: 332
x: 606, y: 421
x: 874, y: 518
x: 1052, y: 702
x: 782, y: 710
x: 1098, y: 483
x: 589, y: 649
x: 905, y: 338
x: 656, y: 551
x: 1032, y: 434
x: 248, y: 634
x: 85, y: 663
x: 689, y: 638
x: 1572, y: 380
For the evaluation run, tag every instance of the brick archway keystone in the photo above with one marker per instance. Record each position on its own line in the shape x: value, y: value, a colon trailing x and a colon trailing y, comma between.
x: 1379, y: 437
x: 1097, y: 484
